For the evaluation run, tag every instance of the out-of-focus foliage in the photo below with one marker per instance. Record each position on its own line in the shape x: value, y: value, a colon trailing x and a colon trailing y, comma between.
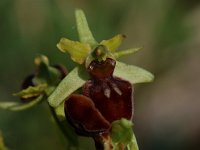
x: 2, y: 145
x: 166, y: 111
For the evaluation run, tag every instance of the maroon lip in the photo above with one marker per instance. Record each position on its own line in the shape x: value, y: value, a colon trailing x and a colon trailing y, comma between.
x: 105, y: 98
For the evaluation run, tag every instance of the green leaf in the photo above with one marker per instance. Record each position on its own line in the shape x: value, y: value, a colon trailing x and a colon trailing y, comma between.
x: 113, y: 43
x: 14, y: 106
x: 71, y: 135
x: 126, y: 52
x: 85, y: 35
x: 73, y: 81
x: 121, y: 131
x: 132, y: 73
x: 31, y: 91
x: 78, y: 51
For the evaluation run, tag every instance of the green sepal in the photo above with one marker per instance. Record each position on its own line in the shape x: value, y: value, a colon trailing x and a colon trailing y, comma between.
x: 67, y: 129
x: 14, y: 106
x: 77, y: 50
x: 32, y: 91
x: 85, y: 35
x: 126, y: 52
x: 131, y: 73
x: 113, y: 43
x: 73, y: 81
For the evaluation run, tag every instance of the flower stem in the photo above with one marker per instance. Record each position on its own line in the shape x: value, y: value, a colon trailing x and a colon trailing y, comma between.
x: 103, y: 142
x: 66, y: 130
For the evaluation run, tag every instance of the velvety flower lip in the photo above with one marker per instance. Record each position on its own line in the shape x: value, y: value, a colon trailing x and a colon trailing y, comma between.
x: 105, y: 99
x: 112, y: 96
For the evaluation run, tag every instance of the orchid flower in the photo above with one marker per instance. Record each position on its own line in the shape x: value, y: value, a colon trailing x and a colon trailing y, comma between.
x: 104, y: 100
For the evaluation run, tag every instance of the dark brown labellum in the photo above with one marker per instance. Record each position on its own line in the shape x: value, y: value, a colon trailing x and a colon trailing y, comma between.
x: 112, y: 96
x: 105, y: 99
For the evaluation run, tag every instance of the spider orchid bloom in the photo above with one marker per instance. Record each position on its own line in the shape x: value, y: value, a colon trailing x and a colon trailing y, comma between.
x: 104, y: 99
x: 105, y: 92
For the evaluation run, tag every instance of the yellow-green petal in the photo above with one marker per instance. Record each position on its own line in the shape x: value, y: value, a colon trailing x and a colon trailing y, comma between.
x: 77, y: 50
x: 32, y: 91
x: 126, y: 52
x: 113, y: 43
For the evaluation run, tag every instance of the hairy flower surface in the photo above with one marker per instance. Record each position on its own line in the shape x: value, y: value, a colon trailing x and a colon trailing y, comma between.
x: 111, y: 95
x: 105, y: 99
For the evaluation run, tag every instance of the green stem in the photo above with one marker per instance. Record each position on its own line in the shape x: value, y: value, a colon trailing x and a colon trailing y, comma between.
x: 57, y: 121
x: 103, y: 142
x: 66, y: 130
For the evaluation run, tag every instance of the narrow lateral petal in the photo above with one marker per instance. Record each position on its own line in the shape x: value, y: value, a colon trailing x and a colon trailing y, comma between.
x: 77, y: 50
x: 113, y: 43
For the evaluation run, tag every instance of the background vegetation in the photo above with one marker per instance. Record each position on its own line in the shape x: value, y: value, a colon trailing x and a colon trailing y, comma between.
x: 166, y: 111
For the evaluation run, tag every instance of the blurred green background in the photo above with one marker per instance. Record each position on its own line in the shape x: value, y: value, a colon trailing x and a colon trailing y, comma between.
x: 166, y: 111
